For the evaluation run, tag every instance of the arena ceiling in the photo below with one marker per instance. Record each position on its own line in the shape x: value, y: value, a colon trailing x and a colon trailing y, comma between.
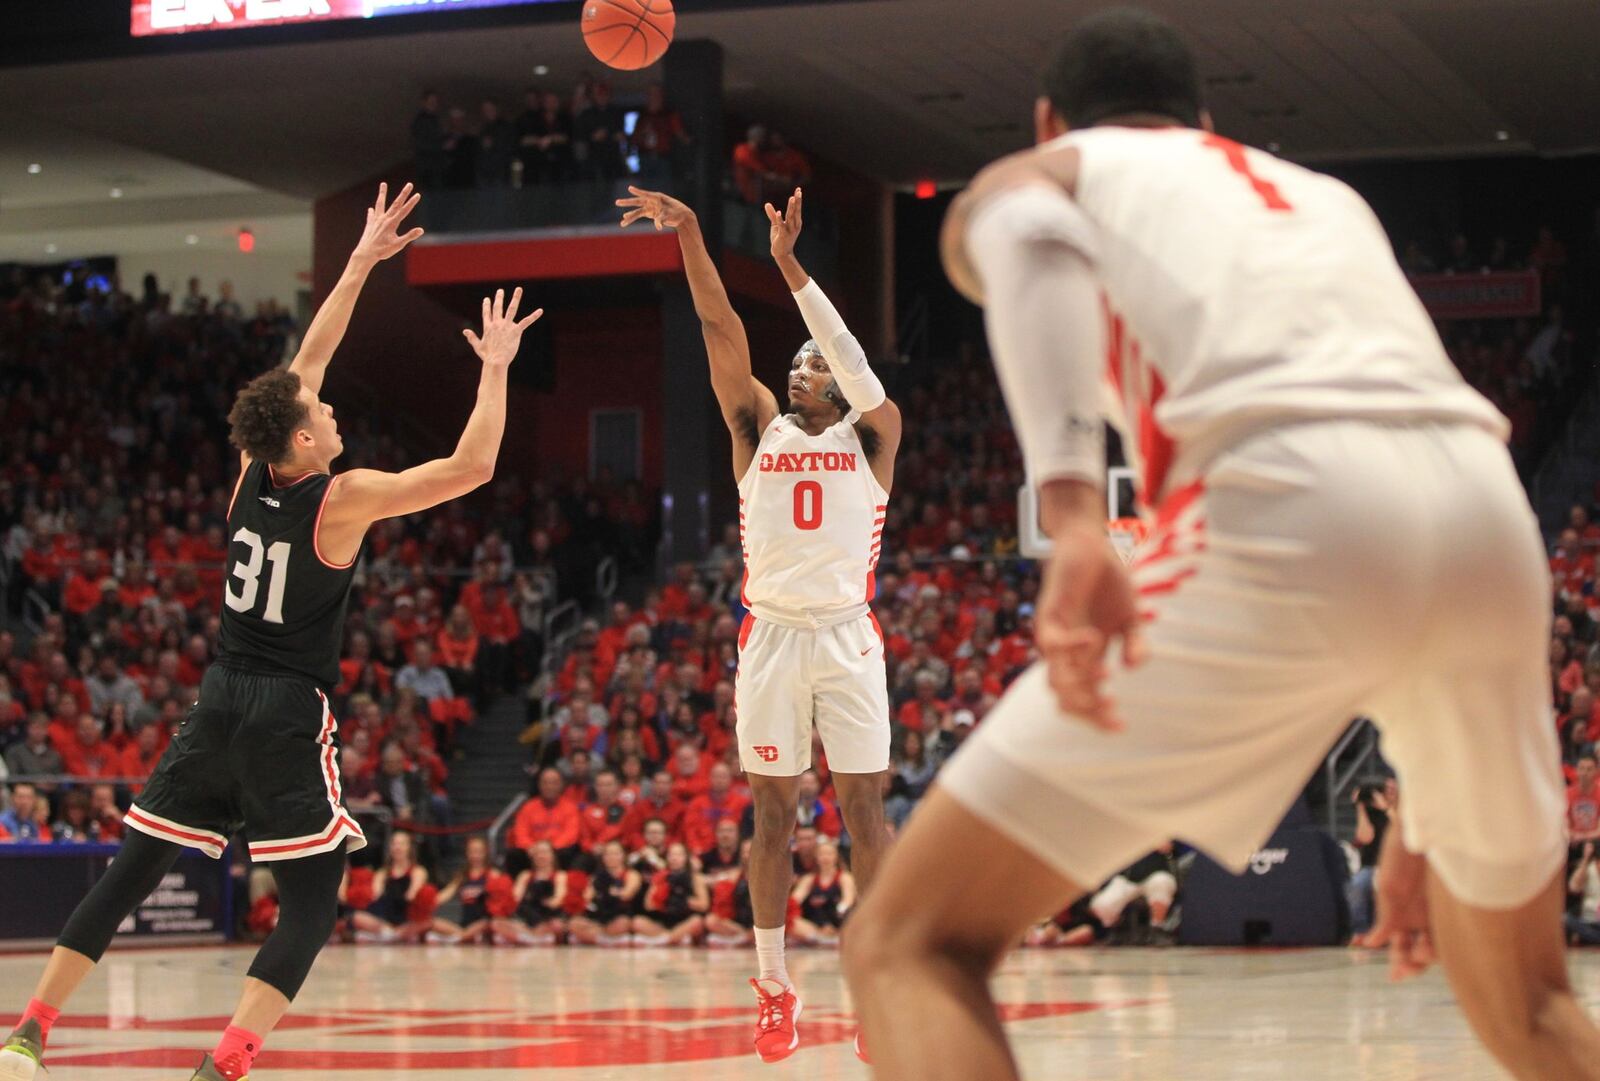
x: 898, y: 89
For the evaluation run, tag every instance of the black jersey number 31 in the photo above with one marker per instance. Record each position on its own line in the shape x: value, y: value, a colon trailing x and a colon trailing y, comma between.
x: 248, y: 572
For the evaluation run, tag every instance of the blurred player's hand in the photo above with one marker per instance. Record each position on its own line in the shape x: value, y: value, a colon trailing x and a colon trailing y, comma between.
x: 664, y: 210
x: 1402, y: 924
x: 785, y: 227
x: 502, y: 333
x: 1086, y: 601
x: 382, y: 238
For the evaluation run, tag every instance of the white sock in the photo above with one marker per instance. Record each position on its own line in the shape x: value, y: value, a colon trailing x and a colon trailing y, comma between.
x: 769, y: 954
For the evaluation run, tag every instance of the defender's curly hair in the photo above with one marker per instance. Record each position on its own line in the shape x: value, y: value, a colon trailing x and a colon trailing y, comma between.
x: 266, y: 415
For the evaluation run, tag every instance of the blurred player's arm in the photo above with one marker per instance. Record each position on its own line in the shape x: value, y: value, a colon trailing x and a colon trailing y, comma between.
x: 747, y: 406
x: 380, y: 240
x: 1029, y: 246
x: 363, y: 496
x: 853, y: 376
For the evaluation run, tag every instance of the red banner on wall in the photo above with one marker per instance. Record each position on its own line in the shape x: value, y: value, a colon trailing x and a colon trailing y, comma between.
x: 1498, y: 295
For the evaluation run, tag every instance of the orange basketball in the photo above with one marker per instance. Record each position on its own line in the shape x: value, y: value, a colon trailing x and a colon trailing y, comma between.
x: 628, y: 34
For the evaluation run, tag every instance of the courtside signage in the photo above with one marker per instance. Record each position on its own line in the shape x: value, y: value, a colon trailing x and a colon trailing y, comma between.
x: 182, y: 16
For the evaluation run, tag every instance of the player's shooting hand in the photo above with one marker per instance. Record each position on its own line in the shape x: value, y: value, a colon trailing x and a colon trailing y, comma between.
x: 663, y: 209
x: 381, y: 238
x: 1402, y: 924
x: 785, y: 227
x: 502, y: 332
x: 1086, y: 601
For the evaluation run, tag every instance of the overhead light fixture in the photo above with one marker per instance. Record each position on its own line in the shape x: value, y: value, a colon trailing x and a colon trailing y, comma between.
x: 50, y: 249
x: 35, y: 169
x: 191, y: 239
x: 116, y: 193
x: 1502, y: 136
x: 541, y: 69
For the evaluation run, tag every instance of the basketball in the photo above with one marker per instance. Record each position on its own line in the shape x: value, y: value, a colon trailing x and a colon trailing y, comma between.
x: 628, y: 34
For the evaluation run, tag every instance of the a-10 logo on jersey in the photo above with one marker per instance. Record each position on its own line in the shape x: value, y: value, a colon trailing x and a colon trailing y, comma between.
x: 811, y: 461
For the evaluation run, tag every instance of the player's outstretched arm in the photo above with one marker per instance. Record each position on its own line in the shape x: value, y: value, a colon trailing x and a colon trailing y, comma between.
x: 747, y: 406
x: 363, y: 496
x: 854, y: 377
x: 380, y: 240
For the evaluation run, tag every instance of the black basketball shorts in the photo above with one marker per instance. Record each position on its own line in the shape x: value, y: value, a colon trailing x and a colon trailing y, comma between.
x: 257, y: 752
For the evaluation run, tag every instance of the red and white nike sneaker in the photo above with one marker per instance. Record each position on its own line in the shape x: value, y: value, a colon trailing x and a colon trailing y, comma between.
x: 777, y: 1029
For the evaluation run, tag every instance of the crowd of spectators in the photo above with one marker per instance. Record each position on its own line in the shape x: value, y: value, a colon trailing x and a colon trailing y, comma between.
x: 584, y: 136
x: 113, y: 497
x: 1525, y: 366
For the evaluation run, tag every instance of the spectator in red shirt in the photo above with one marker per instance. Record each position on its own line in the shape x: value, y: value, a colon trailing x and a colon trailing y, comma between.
x: 921, y: 712
x: 87, y: 754
x: 1583, y: 805
x: 611, y: 641
x: 604, y: 818
x: 139, y: 758
x: 456, y: 650
x: 1566, y: 673
x: 659, y: 802
x: 1572, y: 563
x: 690, y: 768
x: 210, y: 554
x: 547, y: 817
x: 750, y: 172
x: 83, y: 590
x: 704, y: 812
x: 788, y: 167
x: 498, y: 628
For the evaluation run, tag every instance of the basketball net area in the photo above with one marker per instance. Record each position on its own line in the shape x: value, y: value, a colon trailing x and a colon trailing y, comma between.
x: 1123, y: 525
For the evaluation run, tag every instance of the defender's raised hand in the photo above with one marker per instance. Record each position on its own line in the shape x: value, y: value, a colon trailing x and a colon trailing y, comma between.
x: 502, y: 332
x: 785, y: 227
x: 659, y: 207
x: 382, y: 239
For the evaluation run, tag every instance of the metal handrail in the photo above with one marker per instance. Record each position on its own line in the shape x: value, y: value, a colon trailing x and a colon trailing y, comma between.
x: 606, y: 576
x: 1337, y: 786
x: 500, y: 821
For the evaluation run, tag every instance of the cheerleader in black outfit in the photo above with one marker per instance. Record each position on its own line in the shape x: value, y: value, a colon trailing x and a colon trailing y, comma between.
x: 471, y: 888
x: 541, y: 896
x: 675, y: 905
x: 612, y: 900
x: 825, y: 896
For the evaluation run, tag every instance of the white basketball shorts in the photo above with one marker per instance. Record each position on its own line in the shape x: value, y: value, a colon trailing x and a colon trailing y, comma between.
x: 1313, y: 574
x: 791, y: 678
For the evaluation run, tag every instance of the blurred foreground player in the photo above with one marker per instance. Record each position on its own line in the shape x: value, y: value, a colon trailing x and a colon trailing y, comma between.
x: 259, y: 750
x: 1286, y: 390
x: 813, y: 493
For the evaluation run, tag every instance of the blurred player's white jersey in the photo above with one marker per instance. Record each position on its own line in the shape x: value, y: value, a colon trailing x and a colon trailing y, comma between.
x: 811, y: 520
x: 1243, y: 292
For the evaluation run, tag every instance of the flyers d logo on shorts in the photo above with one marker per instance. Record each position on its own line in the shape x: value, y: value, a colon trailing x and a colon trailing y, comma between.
x: 766, y: 752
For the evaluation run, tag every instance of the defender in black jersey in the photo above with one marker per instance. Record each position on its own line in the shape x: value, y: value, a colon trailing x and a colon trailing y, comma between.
x: 259, y: 750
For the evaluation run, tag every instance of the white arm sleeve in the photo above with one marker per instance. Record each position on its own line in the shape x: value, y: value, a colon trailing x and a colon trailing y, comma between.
x: 1032, y: 248
x: 846, y: 359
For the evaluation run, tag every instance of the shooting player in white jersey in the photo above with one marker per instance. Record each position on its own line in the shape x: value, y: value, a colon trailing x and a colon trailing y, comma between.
x: 813, y: 492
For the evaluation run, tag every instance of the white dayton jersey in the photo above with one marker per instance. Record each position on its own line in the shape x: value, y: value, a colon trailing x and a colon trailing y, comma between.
x: 811, y: 519
x: 1243, y: 292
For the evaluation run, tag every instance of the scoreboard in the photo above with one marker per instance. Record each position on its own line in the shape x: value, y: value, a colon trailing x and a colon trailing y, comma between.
x: 184, y: 16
